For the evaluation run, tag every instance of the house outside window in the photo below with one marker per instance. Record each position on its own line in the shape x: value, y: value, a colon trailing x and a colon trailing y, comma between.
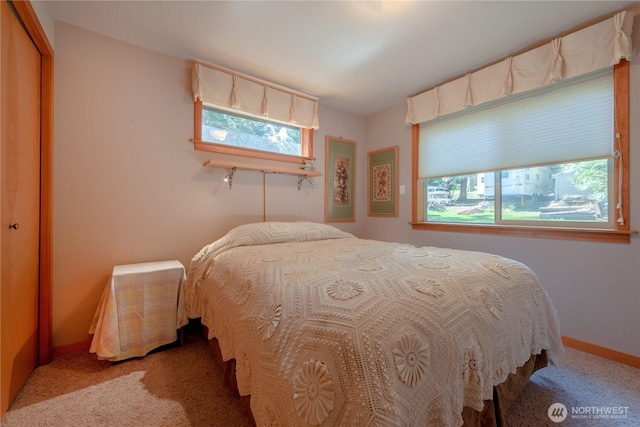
x: 574, y: 194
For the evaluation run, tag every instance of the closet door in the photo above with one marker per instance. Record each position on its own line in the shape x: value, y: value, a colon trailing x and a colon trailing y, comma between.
x: 20, y: 197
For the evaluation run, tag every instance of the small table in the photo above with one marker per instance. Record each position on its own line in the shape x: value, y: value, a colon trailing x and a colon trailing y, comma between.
x: 142, y: 307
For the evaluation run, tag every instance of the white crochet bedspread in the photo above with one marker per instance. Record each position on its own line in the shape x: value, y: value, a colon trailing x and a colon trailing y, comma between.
x: 328, y: 329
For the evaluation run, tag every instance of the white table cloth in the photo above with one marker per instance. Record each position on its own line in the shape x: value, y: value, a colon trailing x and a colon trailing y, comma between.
x: 141, y: 308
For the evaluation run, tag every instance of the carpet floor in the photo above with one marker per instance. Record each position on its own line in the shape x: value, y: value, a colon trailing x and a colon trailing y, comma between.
x: 182, y: 386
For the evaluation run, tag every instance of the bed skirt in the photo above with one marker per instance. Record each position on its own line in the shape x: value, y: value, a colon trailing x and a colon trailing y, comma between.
x: 492, y: 415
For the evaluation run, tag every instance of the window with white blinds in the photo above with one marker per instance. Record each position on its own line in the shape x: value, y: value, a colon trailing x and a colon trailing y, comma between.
x: 535, y: 144
x: 569, y: 120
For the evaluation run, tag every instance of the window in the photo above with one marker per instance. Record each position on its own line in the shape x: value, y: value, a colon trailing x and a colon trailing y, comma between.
x: 245, y: 116
x: 543, y: 163
x: 242, y: 131
x: 234, y: 133
x: 570, y: 195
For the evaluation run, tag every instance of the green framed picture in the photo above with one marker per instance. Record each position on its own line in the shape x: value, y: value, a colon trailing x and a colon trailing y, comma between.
x: 382, y: 182
x: 340, y: 173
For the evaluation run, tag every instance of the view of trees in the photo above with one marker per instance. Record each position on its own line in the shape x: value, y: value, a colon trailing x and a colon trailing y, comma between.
x: 251, y: 133
x: 589, y: 175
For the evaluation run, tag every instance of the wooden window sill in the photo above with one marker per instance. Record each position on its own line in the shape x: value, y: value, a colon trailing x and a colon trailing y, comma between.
x: 584, y: 234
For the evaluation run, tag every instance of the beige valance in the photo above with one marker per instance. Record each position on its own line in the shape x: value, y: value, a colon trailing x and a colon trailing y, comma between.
x: 592, y: 48
x: 224, y: 88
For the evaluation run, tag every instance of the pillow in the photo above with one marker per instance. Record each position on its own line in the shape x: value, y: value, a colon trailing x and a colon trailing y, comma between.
x: 280, y: 232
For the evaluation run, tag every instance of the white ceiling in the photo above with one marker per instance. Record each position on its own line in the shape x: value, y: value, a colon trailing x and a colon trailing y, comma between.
x: 357, y: 56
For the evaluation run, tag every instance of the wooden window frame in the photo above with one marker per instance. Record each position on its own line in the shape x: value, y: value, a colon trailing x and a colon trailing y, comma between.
x: 198, y: 144
x: 621, y: 233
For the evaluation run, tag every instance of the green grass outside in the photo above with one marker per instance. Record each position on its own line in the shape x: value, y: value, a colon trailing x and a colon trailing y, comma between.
x: 450, y: 214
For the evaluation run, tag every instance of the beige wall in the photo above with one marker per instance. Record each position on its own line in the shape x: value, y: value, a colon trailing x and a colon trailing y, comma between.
x: 128, y: 185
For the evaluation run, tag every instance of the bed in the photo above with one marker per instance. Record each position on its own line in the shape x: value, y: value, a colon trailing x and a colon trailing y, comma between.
x: 327, y: 329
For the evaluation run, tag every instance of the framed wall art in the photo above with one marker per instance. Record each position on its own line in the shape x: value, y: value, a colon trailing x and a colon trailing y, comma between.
x: 382, y: 182
x: 340, y: 173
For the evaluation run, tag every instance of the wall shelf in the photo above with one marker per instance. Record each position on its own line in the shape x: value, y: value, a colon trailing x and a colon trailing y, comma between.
x: 231, y: 167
